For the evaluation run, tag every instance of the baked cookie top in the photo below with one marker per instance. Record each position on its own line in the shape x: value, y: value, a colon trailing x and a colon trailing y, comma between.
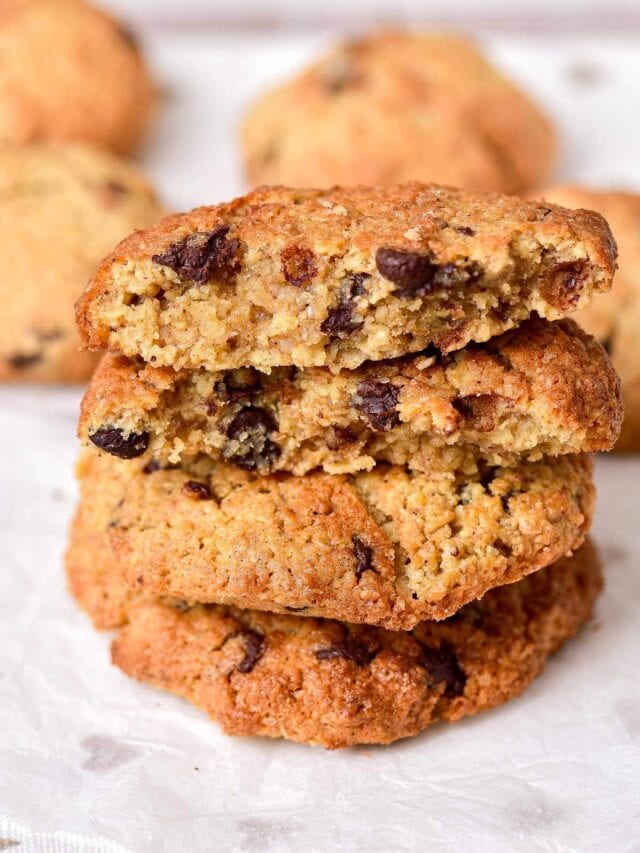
x: 542, y: 388
x: 332, y: 683
x: 309, y: 278
x: 387, y: 547
x: 61, y: 208
x: 69, y: 72
x: 615, y: 320
x: 398, y: 106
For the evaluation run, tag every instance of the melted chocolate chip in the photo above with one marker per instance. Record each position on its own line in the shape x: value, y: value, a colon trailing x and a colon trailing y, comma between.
x: 339, y: 322
x: 377, y: 401
x: 298, y: 265
x: 349, y: 649
x: 565, y: 284
x: 113, y: 440
x: 364, y: 557
x: 464, y: 229
x: 338, y: 436
x: 202, y: 256
x: 197, y: 491
x: 253, y: 650
x: 21, y: 361
x: 416, y: 275
x: 239, y: 383
x: 250, y: 447
x: 442, y: 665
x: 481, y: 410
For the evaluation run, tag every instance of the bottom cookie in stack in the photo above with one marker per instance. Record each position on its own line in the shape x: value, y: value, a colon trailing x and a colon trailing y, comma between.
x: 331, y: 683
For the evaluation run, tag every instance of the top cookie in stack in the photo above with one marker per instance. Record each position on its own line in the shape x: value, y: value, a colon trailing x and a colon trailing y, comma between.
x: 307, y: 278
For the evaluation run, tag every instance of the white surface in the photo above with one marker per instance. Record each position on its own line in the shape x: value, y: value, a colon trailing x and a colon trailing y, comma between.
x: 92, y: 761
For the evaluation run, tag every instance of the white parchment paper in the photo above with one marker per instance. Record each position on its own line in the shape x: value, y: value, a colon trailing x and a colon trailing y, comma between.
x: 90, y: 760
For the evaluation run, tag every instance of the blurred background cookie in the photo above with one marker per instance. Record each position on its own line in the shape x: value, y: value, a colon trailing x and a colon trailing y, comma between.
x: 62, y: 208
x: 70, y: 72
x: 615, y: 319
x: 398, y: 106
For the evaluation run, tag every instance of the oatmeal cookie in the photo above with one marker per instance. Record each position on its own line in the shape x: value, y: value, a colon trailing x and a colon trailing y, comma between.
x: 310, y: 278
x: 397, y: 106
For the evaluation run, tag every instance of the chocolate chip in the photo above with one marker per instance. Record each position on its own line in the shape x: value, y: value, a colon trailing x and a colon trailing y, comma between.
x: 250, y: 447
x: 416, y: 275
x: 197, y: 491
x: 339, y: 322
x: 202, y: 256
x: 20, y: 360
x: 565, y: 284
x: 338, y: 436
x: 349, y: 649
x: 298, y: 264
x: 253, y: 650
x: 481, y: 410
x: 377, y: 401
x: 503, y: 548
x: 294, y: 609
x: 464, y: 229
x: 364, y: 557
x: 442, y: 665
x: 239, y: 383
x: 152, y: 466
x: 113, y: 440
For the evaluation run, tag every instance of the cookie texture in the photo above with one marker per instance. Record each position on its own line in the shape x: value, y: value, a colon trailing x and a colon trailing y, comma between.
x: 542, y: 388
x: 62, y: 207
x: 334, y: 684
x: 70, y: 73
x: 397, y: 106
x: 387, y: 547
x: 309, y: 278
x: 615, y: 320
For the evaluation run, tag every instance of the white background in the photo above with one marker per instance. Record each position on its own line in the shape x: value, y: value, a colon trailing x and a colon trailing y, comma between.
x: 92, y: 761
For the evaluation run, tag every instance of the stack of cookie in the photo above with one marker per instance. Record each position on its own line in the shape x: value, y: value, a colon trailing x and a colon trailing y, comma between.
x: 357, y: 404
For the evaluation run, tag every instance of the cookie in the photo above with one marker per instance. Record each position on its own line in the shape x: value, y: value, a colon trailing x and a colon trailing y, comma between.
x: 62, y: 207
x: 386, y: 547
x: 334, y: 684
x: 69, y: 72
x: 310, y: 278
x: 396, y: 106
x: 544, y: 388
x: 615, y: 321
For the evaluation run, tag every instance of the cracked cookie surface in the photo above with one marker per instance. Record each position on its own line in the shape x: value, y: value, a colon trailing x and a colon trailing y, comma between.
x: 615, y: 319
x: 387, y: 547
x: 544, y: 388
x: 310, y: 278
x: 334, y: 684
x: 61, y: 208
x: 397, y: 106
x: 70, y: 73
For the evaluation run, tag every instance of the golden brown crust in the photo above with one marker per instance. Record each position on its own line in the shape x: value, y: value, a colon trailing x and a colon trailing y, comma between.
x: 386, y: 547
x: 61, y: 208
x: 333, y: 684
x: 543, y: 388
x: 615, y: 320
x: 262, y: 281
x: 69, y: 72
x: 396, y: 106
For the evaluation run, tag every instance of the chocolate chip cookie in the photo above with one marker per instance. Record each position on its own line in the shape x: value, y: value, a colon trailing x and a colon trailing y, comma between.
x: 388, y: 547
x: 331, y: 683
x: 69, y: 72
x: 544, y: 388
x: 62, y: 207
x: 309, y: 278
x: 396, y: 106
x: 615, y: 320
